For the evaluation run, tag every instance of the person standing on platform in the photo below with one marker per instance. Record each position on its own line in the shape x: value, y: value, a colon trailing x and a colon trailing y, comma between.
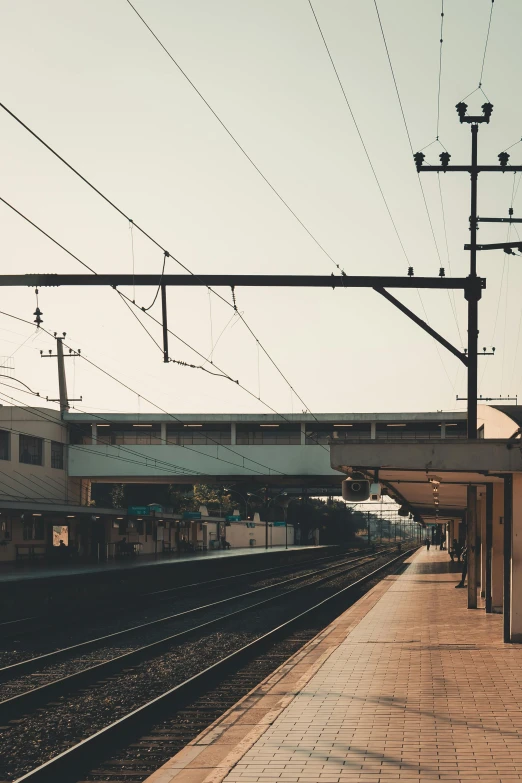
x: 464, y: 567
x: 428, y: 544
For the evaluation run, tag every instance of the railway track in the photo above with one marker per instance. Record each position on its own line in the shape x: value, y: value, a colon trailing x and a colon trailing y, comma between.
x: 184, y: 695
x: 31, y: 625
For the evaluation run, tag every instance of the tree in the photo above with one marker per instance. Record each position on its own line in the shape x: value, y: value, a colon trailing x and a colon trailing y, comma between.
x: 118, y: 495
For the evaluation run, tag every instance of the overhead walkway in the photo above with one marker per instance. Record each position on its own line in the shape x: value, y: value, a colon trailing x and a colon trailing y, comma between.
x: 407, y: 685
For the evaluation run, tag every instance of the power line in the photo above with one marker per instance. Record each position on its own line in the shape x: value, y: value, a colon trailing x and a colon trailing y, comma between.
x: 130, y: 303
x: 172, y: 416
x: 234, y: 139
x: 358, y: 131
x: 440, y: 65
x: 486, y: 44
x: 166, y: 253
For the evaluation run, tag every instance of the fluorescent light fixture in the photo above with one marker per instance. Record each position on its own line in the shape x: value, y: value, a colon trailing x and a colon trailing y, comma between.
x: 70, y: 516
x: 102, y: 425
x: 192, y: 425
x: 449, y: 425
x: 395, y: 425
x: 343, y: 425
x: 119, y: 518
x: 269, y: 425
x: 140, y: 519
x: 142, y: 425
x: 96, y: 517
x: 37, y: 515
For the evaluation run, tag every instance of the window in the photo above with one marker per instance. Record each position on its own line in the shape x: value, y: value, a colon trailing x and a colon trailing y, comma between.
x: 33, y: 529
x: 56, y: 455
x: 31, y: 451
x: 197, y: 437
x: 4, y: 444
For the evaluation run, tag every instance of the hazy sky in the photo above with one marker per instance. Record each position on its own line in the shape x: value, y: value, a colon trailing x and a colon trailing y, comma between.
x: 90, y: 79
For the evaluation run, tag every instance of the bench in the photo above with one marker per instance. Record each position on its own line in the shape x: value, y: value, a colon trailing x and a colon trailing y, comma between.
x: 30, y: 551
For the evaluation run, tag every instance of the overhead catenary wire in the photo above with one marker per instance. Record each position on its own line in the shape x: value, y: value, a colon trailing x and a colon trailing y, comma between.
x: 368, y: 155
x: 486, y: 44
x: 162, y: 410
x: 361, y: 139
x: 130, y: 303
x: 166, y: 253
x: 403, y: 114
x: 233, y: 137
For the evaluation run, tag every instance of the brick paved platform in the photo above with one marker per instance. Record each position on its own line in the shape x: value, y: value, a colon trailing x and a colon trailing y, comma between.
x: 407, y: 685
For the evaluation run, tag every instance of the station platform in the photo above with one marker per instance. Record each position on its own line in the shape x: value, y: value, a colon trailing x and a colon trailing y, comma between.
x: 12, y: 572
x: 406, y: 685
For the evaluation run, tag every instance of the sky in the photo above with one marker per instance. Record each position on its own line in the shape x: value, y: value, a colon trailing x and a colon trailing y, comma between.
x: 90, y: 79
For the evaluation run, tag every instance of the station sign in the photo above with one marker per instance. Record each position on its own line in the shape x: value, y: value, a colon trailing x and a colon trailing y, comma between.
x: 233, y: 518
x: 138, y: 511
x: 192, y: 515
x: 278, y: 524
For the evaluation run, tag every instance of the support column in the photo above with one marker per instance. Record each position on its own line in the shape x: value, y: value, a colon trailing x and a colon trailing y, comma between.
x: 471, y: 517
x: 497, y: 560
x: 94, y: 434
x: 233, y: 438
x: 303, y: 433
x: 443, y: 430
x: 508, y: 521
x: 481, y: 543
x: 373, y: 430
x: 488, y: 537
x: 516, y: 560
x: 163, y: 433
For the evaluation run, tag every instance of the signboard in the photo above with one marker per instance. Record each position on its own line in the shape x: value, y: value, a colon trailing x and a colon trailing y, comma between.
x: 155, y: 507
x: 278, y: 524
x: 138, y: 511
x: 233, y: 518
x: 192, y: 515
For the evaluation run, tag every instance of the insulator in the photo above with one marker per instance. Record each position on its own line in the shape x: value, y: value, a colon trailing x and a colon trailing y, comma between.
x: 419, y: 159
x: 461, y: 110
x: 487, y: 109
x: 410, y: 271
x: 503, y: 158
x: 38, y: 313
x: 444, y: 158
x: 442, y: 273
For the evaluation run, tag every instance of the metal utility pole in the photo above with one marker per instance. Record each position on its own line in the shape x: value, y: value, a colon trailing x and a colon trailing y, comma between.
x: 473, y: 292
x: 63, y: 399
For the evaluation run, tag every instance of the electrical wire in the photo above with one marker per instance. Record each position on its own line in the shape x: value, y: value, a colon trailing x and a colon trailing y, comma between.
x: 221, y: 373
x: 486, y: 44
x: 234, y: 139
x: 358, y: 131
x: 440, y: 65
x: 166, y: 253
x: 171, y: 415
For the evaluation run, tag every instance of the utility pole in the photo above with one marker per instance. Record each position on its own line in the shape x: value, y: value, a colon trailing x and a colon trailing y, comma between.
x: 473, y: 292
x: 63, y: 399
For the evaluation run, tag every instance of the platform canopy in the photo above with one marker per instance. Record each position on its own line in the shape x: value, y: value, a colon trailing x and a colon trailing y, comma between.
x: 430, y: 478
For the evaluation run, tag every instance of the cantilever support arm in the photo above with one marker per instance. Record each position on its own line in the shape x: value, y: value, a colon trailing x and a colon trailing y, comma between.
x: 423, y: 325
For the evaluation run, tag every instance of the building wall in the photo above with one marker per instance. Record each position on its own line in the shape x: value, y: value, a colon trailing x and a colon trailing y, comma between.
x: 22, y: 481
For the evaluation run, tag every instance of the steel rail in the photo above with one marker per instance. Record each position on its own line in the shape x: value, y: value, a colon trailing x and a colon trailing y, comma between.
x: 38, y: 696
x: 33, y: 664
x: 77, y: 759
x: 46, y: 622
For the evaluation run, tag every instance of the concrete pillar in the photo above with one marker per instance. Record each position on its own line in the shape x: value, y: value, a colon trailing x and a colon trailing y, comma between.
x: 303, y: 433
x: 488, y: 546
x: 373, y: 430
x: 497, y: 559
x: 233, y: 438
x: 443, y: 430
x: 471, y: 519
x: 94, y: 434
x: 516, y: 561
x: 163, y: 433
x: 482, y: 527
